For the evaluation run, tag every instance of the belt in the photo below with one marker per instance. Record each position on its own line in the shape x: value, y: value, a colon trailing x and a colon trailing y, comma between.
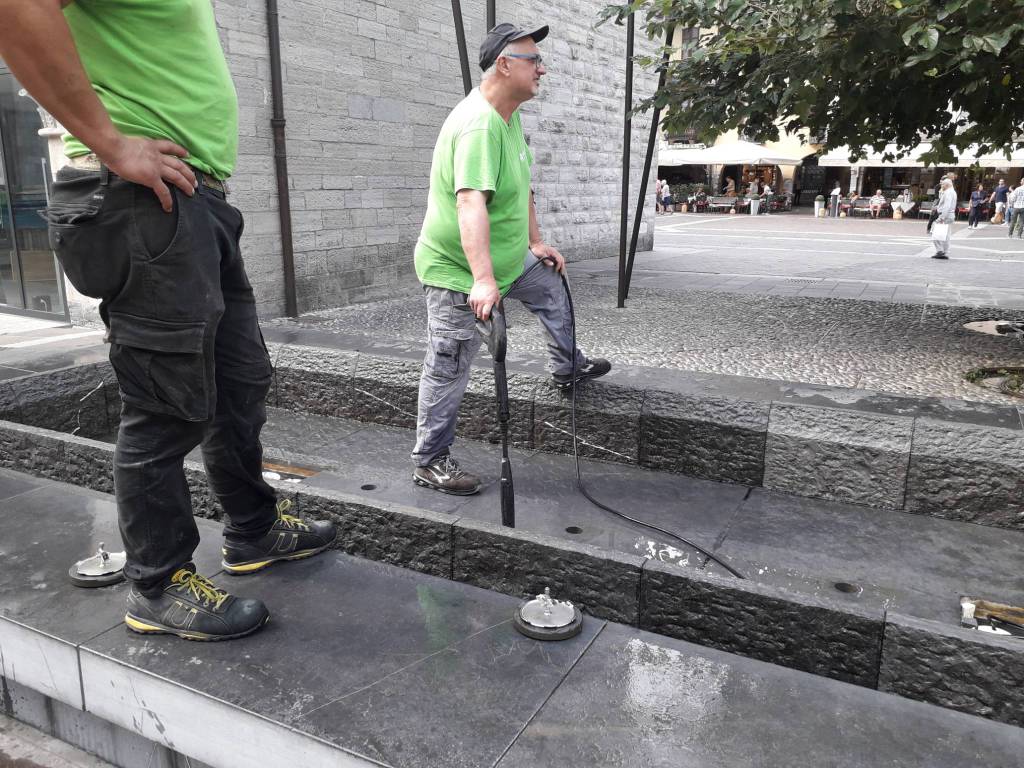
x: 91, y: 162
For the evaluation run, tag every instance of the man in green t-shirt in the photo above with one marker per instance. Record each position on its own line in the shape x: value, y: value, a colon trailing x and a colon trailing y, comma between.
x: 480, y: 243
x: 139, y: 219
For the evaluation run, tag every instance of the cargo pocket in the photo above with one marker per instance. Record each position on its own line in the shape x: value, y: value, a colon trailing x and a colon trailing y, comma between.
x: 448, y: 351
x: 161, y: 366
x: 88, y: 243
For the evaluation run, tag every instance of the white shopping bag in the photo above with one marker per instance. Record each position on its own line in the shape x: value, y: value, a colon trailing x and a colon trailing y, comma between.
x: 940, y: 231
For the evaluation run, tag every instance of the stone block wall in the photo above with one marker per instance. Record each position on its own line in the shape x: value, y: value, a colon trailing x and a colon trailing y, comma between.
x: 367, y: 84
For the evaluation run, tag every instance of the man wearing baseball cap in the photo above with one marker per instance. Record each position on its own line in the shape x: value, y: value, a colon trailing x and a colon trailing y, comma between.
x: 480, y: 243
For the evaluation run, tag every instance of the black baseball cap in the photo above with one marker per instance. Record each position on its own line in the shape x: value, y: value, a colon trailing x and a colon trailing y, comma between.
x: 503, y: 34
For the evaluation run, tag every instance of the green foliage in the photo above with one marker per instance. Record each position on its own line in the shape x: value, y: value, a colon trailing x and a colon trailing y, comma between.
x: 867, y: 72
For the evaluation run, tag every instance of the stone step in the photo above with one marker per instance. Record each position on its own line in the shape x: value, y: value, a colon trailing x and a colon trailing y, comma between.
x: 894, y: 626
x: 370, y: 664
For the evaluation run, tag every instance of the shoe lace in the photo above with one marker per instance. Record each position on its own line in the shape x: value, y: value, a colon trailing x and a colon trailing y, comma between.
x: 449, y: 466
x: 201, y: 588
x: 289, y: 521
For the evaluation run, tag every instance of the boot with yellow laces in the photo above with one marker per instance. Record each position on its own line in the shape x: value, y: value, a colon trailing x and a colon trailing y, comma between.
x: 289, y: 538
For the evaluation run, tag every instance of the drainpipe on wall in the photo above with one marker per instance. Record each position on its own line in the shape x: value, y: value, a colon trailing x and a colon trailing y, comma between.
x: 277, y: 122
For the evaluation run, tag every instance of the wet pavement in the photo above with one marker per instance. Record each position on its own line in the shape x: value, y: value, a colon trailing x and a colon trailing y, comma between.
x: 369, y: 664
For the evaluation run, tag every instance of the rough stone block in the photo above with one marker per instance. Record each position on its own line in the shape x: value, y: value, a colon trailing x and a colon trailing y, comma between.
x: 960, y: 669
x: 478, y: 415
x: 604, y: 583
x: 89, y: 464
x: 32, y: 450
x: 389, y: 533
x: 843, y: 455
x: 711, y: 437
x: 67, y: 400
x: 315, y: 380
x: 385, y: 391
x: 969, y: 473
x: 607, y: 421
x: 204, y: 502
x: 9, y: 410
x: 762, y: 622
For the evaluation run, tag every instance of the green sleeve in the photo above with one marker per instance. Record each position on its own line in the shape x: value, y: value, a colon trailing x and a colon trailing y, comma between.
x: 477, y: 160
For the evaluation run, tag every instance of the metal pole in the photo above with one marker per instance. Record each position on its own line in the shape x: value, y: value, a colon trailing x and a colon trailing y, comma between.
x: 460, y: 37
x: 651, y: 139
x: 627, y: 130
x: 490, y: 15
x: 277, y: 123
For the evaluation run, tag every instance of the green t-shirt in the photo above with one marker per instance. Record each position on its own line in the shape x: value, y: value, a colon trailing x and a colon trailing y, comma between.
x: 159, y: 70
x: 476, y: 149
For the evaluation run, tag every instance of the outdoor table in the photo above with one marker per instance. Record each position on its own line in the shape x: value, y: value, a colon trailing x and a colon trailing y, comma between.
x: 905, y: 207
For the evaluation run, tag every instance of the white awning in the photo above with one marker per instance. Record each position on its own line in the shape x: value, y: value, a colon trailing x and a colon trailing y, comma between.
x: 841, y: 158
x: 736, y: 153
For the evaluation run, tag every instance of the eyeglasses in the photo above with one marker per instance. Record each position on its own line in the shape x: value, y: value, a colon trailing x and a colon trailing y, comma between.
x: 536, y: 58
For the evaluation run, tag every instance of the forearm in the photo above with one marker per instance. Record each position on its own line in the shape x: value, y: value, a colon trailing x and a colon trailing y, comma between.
x: 535, y: 236
x: 36, y: 44
x: 475, y: 233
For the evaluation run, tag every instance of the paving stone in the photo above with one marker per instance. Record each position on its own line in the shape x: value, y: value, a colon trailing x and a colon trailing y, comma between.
x: 715, y: 438
x: 956, y: 668
x: 763, y: 622
x: 967, y: 473
x: 389, y: 533
x: 637, y: 699
x: 604, y: 583
x: 835, y: 454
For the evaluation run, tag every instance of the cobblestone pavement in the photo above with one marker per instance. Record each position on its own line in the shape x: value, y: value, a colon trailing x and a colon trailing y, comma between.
x: 756, y: 313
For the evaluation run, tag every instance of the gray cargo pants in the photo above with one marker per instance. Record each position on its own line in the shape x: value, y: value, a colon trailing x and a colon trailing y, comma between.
x: 453, y: 342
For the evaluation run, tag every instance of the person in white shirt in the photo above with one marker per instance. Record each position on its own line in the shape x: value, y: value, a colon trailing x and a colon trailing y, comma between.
x: 875, y: 203
x: 666, y: 196
x: 945, y: 213
x: 1015, y: 203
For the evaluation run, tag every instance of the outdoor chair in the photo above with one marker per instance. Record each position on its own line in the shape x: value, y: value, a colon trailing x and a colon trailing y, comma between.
x: 925, y: 209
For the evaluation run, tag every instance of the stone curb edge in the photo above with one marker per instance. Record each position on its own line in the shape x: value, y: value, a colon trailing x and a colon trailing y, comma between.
x: 854, y: 644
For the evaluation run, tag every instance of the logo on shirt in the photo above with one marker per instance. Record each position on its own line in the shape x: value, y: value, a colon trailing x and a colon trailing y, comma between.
x: 522, y: 156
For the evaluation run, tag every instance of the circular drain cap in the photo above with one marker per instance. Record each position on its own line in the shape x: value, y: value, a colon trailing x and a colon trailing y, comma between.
x: 101, y: 570
x: 544, y: 618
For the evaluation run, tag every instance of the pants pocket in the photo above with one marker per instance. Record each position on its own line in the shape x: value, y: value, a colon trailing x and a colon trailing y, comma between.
x: 448, y: 351
x: 162, y: 367
x: 88, y: 238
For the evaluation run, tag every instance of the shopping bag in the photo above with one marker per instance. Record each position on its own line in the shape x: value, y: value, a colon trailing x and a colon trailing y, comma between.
x: 998, y: 218
x: 940, y: 231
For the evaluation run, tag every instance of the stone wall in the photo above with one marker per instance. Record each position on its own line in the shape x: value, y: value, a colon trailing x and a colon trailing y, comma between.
x: 367, y: 85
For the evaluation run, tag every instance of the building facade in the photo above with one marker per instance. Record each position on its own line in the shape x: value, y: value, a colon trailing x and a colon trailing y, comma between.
x: 366, y: 85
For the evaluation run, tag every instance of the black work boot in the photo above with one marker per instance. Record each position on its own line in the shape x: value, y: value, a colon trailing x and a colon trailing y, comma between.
x: 191, y: 607
x: 289, y: 538
x: 443, y: 474
x: 590, y: 369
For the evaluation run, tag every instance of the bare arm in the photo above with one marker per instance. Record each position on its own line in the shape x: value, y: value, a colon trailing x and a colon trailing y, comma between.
x: 475, y: 232
x: 36, y: 44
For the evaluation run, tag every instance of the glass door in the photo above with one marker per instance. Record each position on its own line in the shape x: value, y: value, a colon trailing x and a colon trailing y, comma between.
x: 30, y: 279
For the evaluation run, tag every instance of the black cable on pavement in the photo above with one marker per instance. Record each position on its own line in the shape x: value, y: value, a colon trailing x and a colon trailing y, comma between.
x: 576, y: 455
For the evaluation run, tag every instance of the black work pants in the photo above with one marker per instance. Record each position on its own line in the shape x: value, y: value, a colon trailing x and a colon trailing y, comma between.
x: 186, y: 346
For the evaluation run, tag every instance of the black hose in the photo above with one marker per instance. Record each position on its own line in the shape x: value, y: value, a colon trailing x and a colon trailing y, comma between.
x: 576, y: 456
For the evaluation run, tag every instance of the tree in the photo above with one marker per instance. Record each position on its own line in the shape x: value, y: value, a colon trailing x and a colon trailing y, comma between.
x: 861, y: 72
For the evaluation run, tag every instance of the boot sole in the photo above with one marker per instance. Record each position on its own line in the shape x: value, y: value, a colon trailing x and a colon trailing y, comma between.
x: 567, y: 385
x: 450, y: 492
x: 244, y: 569
x: 150, y: 628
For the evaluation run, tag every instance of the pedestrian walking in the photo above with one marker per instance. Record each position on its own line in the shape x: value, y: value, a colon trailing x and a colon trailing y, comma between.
x: 666, y: 196
x: 139, y: 219
x: 658, y: 208
x: 998, y: 197
x: 945, y: 213
x: 1015, y: 203
x: 481, y: 244
x: 977, y: 199
x: 834, y: 198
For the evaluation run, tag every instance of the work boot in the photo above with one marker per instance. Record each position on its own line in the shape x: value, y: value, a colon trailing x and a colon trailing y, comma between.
x: 590, y: 369
x: 191, y: 607
x: 289, y: 538
x: 443, y: 474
